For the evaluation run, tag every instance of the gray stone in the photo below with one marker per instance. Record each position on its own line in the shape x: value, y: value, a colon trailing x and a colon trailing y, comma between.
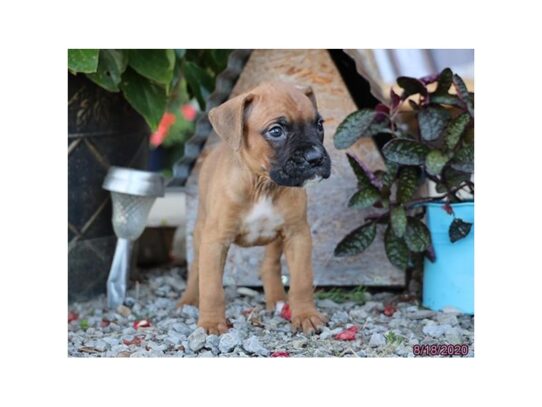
x: 156, y: 346
x: 111, y: 341
x: 339, y: 317
x: 100, y: 345
x: 234, y: 311
x: 164, y: 303
x: 395, y: 323
x: 358, y: 314
x: 379, y: 328
x: 300, y: 343
x: 450, y: 319
x: 435, y: 330
x: 128, y: 331
x: 196, y: 340
x: 253, y: 345
x: 77, y: 340
x: 119, y: 348
x: 206, y: 354
x: 181, y: 328
x: 272, y: 324
x: 240, y: 353
x: 377, y: 340
x: 190, y: 311
x: 373, y: 305
x: 163, y: 290
x: 327, y: 303
x: 452, y: 335
x: 413, y: 341
x: 320, y: 353
x: 403, y: 350
x: 229, y: 341
x: 325, y: 333
x: 240, y: 323
x: 177, y: 284
x: 212, y: 341
x: 90, y: 343
x: 174, y: 338
x: 247, y: 292
x: 142, y: 353
x: 451, y: 310
x: 420, y: 314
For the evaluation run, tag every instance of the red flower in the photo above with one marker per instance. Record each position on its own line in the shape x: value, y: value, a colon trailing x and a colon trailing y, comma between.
x: 189, y: 112
x: 389, y: 310
x: 144, y: 323
x: 285, y: 312
x: 161, y: 132
x: 72, y: 316
x: 104, y: 323
x: 348, y: 334
x: 280, y: 354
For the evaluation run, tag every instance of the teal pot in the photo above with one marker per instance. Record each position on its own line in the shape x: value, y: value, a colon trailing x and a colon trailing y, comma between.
x: 103, y: 130
x: 449, y: 281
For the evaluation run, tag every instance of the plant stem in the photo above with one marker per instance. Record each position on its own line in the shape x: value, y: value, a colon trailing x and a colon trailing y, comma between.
x: 425, y: 200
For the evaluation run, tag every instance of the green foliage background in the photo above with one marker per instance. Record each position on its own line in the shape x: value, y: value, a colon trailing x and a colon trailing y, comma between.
x: 149, y: 78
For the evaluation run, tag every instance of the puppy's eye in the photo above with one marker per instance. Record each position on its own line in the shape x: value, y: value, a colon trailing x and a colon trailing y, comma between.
x: 275, y: 132
x: 320, y: 125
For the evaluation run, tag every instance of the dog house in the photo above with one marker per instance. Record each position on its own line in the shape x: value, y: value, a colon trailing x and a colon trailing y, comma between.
x: 339, y: 90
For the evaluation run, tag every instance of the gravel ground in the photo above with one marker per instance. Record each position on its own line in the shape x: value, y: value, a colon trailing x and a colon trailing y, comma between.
x: 149, y: 325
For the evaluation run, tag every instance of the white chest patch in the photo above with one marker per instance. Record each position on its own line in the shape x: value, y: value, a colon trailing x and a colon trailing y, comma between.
x: 262, y: 221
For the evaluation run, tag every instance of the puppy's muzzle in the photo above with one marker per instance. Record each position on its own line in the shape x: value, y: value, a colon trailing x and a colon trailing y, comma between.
x: 314, y: 156
x: 307, y: 163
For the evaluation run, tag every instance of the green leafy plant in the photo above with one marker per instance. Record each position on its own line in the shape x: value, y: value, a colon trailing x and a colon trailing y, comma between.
x: 83, y: 324
x: 341, y: 295
x: 148, y: 78
x: 392, y: 339
x: 438, y: 146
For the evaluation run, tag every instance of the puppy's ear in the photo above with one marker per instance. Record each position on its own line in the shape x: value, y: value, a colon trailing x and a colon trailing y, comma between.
x: 307, y: 90
x: 228, y: 119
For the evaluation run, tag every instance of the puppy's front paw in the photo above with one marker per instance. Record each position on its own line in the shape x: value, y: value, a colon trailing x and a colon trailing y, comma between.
x: 214, y: 326
x: 310, y: 321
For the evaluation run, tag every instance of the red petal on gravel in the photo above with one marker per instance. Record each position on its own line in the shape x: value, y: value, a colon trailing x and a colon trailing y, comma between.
x: 280, y: 354
x: 136, y: 341
x: 104, y: 323
x: 285, y: 312
x: 73, y: 316
x: 348, y: 334
x: 389, y: 310
x: 143, y: 323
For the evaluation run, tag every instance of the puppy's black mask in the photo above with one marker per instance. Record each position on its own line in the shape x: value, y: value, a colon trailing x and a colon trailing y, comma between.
x: 300, y: 155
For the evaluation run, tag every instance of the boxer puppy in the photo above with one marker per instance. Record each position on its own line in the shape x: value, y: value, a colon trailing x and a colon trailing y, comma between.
x: 250, y: 193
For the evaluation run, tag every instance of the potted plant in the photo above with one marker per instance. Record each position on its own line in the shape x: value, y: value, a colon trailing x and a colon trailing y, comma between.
x: 435, y: 150
x: 116, y: 99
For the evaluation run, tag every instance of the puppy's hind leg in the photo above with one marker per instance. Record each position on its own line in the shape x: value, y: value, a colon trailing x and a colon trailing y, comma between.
x: 270, y: 273
x: 191, y: 293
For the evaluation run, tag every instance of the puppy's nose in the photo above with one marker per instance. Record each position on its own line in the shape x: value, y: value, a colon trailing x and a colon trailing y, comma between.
x: 313, y: 155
